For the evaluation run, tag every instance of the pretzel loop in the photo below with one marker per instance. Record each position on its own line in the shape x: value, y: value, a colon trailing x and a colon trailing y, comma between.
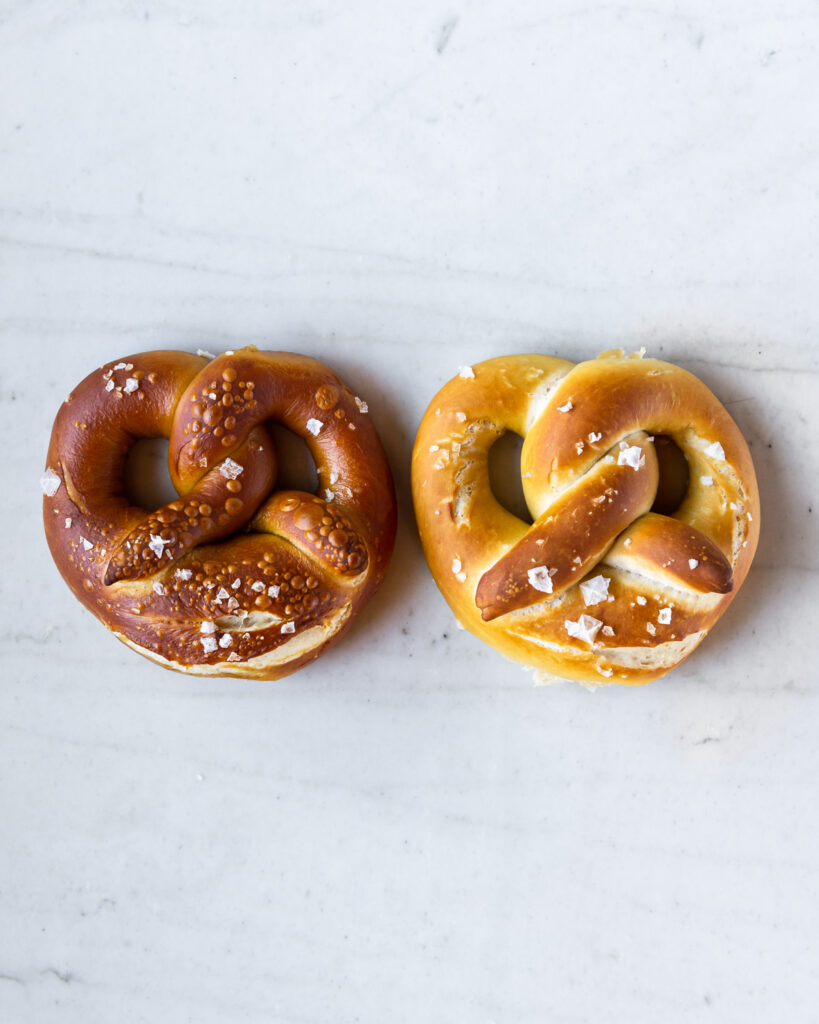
x: 263, y: 601
x: 599, y: 587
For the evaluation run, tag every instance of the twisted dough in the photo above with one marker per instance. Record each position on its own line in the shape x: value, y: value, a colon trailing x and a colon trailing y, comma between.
x: 296, y: 567
x: 598, y: 588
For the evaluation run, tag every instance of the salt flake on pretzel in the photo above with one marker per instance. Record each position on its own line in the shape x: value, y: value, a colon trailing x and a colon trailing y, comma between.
x: 600, y: 587
x: 232, y: 577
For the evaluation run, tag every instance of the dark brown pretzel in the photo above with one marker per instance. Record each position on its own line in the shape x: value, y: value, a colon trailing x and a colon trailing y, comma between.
x: 599, y: 588
x: 291, y: 570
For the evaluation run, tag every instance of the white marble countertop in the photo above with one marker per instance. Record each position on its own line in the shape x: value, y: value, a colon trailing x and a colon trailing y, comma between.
x: 409, y: 830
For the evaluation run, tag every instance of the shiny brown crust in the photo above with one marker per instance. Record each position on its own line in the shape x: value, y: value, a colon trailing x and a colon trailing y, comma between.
x: 229, y: 579
x: 590, y: 477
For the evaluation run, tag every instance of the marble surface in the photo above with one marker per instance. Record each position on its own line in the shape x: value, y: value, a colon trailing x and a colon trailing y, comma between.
x: 410, y: 830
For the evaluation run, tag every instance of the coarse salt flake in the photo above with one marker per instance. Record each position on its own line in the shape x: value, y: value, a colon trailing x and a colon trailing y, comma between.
x: 183, y: 574
x: 608, y: 631
x: 566, y: 408
x: 68, y: 522
x: 693, y: 563
x: 233, y: 656
x: 121, y: 366
x: 221, y: 595
x: 594, y: 437
x: 86, y: 543
x: 159, y: 589
x: 157, y: 544
x: 632, y: 456
x: 461, y: 417
x: 258, y: 586
x: 652, y: 629
x: 50, y: 483
x: 460, y: 577
x: 664, y: 616
x: 715, y: 451
x: 707, y: 481
x: 207, y: 627
x: 314, y: 426
x: 540, y: 578
x: 579, y: 447
x: 203, y: 352
x: 585, y: 628
x: 109, y: 386
x: 329, y: 495
x: 273, y: 590
x: 456, y: 565
x: 225, y: 641
x: 627, y: 542
x: 209, y: 645
x: 595, y: 590
x: 289, y: 627
x: 362, y: 405
x: 467, y: 372
x: 230, y: 469
x: 640, y: 599
x: 131, y: 384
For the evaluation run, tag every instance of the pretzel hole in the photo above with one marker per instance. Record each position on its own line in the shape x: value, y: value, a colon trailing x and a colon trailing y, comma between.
x: 504, y: 475
x: 147, y: 480
x: 673, y: 468
x: 296, y: 466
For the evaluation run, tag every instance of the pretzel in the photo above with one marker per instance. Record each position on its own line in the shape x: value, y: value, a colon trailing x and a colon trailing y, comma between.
x: 228, y: 579
x: 598, y: 588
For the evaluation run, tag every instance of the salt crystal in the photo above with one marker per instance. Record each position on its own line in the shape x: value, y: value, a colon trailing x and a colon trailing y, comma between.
x: 273, y: 590
x: 566, y: 408
x: 693, y: 563
x: 109, y: 386
x: 627, y: 542
x: 631, y: 456
x: 207, y: 627
x: 362, y: 406
x: 707, y: 481
x: 258, y: 586
x: 130, y: 385
x: 202, y: 352
x: 466, y: 372
x: 461, y: 416
x: 608, y: 631
x: 230, y: 469
x: 314, y: 426
x: 456, y: 565
x: 594, y: 437
x: 651, y: 628
x: 329, y: 495
x: 50, y: 483
x: 225, y: 641
x: 183, y: 574
x: 221, y: 595
x: 157, y: 544
x: 595, y: 590
x: 715, y: 451
x: 664, y: 616
x: 579, y: 447
x: 159, y: 589
x: 236, y: 583
x: 540, y: 578
x: 585, y: 628
x: 209, y: 645
x: 121, y: 366
x: 640, y: 599
x: 233, y: 656
x: 289, y: 627
x: 461, y: 577
x: 86, y: 544
x: 68, y: 523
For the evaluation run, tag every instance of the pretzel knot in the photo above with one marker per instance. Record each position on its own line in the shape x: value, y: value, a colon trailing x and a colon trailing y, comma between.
x: 599, y: 587
x: 291, y: 568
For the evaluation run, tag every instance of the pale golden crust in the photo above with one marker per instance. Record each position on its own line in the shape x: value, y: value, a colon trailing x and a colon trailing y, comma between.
x: 589, y: 477
x: 262, y: 603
